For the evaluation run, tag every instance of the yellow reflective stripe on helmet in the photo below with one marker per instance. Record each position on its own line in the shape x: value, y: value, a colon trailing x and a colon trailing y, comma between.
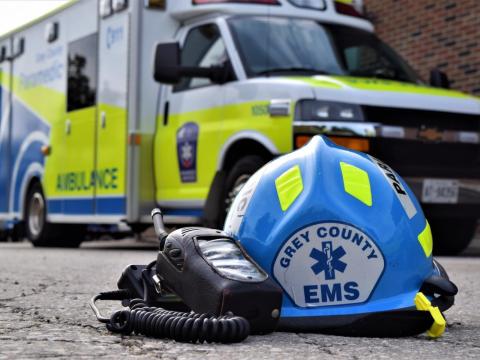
x: 349, y: 2
x: 356, y: 183
x: 439, y: 323
x: 289, y: 186
x: 425, y: 239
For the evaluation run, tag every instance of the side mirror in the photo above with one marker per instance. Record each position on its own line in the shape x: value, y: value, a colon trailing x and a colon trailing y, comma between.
x: 439, y: 79
x: 166, y: 68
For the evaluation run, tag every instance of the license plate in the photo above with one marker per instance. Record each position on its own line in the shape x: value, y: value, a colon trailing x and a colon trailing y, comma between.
x: 439, y: 191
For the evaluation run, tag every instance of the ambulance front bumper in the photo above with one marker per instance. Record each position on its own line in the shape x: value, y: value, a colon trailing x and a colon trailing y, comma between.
x: 441, y: 167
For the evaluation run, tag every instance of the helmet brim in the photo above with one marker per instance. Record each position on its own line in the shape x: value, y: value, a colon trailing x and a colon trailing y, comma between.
x: 395, y: 323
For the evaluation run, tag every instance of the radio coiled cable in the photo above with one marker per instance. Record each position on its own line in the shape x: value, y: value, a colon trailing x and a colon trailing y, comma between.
x: 180, y: 326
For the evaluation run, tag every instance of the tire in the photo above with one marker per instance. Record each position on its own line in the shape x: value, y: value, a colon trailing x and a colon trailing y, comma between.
x: 237, y: 177
x: 452, y: 236
x: 44, y: 234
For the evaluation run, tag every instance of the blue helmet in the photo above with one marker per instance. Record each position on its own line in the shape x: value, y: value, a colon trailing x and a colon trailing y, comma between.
x: 347, y: 241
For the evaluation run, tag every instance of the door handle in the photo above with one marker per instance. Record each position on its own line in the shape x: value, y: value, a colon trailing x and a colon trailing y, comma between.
x: 103, y: 120
x: 279, y: 107
x: 68, y: 127
x: 166, y: 110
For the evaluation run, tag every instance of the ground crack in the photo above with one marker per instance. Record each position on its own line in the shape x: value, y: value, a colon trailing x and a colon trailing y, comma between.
x: 41, y: 289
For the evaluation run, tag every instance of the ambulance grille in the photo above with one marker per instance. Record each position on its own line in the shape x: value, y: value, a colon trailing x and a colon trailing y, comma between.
x: 415, y: 118
x: 417, y: 158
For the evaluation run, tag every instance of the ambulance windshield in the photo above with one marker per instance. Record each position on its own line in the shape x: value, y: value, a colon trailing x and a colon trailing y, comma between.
x: 275, y: 46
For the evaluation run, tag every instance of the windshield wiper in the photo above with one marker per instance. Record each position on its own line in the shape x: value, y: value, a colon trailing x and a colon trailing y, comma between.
x: 293, y: 70
x: 385, y: 73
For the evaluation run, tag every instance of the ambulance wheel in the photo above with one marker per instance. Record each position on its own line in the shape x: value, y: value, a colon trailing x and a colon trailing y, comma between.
x: 42, y: 233
x: 452, y: 236
x: 238, y: 176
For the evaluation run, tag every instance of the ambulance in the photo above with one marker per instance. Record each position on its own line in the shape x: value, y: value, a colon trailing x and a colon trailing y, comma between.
x: 110, y: 108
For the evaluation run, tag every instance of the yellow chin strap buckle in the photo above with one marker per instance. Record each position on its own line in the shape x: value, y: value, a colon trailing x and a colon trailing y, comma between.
x: 423, y: 304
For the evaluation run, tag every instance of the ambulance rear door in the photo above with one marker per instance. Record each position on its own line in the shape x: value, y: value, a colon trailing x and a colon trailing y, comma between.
x: 5, y: 85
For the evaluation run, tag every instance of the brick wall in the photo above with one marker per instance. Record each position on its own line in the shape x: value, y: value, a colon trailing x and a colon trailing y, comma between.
x: 433, y: 33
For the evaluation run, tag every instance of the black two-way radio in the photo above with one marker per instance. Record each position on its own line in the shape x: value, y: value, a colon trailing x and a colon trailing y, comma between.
x: 198, y: 269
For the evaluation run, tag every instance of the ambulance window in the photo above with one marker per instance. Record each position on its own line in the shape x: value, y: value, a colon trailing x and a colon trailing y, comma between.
x: 361, y: 57
x: 363, y: 54
x: 82, y: 73
x: 203, y: 47
x: 275, y: 46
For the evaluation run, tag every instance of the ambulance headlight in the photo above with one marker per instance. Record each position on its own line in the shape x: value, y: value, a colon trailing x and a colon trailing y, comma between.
x: 317, y: 110
x: 309, y: 4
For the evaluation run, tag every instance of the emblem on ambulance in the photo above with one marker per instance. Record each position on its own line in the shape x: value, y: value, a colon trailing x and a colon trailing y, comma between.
x: 187, y: 140
x: 187, y: 155
x: 328, y: 263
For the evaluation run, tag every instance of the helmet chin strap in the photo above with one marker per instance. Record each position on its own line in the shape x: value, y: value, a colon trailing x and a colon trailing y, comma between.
x: 423, y: 304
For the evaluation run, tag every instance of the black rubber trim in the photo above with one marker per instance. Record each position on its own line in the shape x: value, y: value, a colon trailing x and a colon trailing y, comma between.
x: 396, y: 323
x: 444, y: 302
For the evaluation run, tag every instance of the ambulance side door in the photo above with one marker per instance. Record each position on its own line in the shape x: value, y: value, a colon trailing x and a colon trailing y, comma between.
x: 111, y: 159
x: 187, y: 138
x: 76, y: 181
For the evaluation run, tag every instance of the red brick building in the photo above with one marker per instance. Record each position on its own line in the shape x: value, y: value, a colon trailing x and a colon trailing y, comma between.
x: 443, y: 34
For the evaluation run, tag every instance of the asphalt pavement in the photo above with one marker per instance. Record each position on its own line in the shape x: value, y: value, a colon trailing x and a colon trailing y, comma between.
x: 44, y: 313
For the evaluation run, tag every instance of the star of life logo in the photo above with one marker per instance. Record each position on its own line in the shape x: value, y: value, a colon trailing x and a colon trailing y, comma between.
x: 328, y: 263
x: 187, y: 155
x: 328, y: 260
